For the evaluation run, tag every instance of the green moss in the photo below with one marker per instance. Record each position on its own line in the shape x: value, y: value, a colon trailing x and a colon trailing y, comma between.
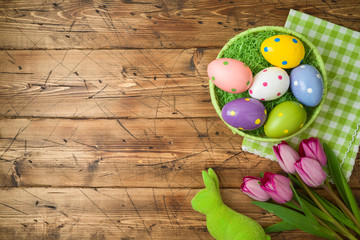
x: 247, y: 50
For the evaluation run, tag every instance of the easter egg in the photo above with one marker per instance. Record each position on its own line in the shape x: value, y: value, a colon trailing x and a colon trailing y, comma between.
x: 307, y: 85
x: 230, y: 75
x: 244, y: 113
x: 269, y: 84
x: 285, y: 119
x: 283, y: 51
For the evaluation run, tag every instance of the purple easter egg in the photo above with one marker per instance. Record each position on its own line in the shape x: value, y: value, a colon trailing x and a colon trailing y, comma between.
x: 244, y: 113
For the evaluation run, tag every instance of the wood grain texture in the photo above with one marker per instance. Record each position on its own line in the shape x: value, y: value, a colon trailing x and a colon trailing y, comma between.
x: 98, y: 213
x: 107, y: 213
x: 106, y: 121
x: 151, y: 24
x: 143, y: 83
x: 118, y: 153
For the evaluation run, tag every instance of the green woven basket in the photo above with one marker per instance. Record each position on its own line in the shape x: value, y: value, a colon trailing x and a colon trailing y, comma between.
x: 246, y: 48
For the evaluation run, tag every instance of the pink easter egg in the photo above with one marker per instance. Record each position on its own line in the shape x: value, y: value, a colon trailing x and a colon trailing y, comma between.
x: 230, y: 75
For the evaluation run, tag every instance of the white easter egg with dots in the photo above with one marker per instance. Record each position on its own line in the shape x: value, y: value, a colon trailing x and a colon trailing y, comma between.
x: 269, y: 84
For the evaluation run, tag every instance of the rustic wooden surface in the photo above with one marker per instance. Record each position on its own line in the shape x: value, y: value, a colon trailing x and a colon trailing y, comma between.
x: 106, y: 120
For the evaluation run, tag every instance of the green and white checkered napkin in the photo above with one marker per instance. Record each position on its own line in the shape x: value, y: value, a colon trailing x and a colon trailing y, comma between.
x: 339, y: 120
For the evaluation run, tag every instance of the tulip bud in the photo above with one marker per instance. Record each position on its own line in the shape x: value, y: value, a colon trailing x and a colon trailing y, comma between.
x: 312, y: 148
x: 251, y: 187
x: 286, y: 156
x: 277, y: 187
x: 310, y: 171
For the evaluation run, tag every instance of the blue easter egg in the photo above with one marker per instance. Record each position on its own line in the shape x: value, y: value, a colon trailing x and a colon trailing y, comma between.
x: 307, y: 85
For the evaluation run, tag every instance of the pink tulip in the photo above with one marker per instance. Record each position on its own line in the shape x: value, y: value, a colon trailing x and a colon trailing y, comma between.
x: 312, y: 148
x: 310, y: 171
x: 251, y: 187
x: 277, y: 187
x: 286, y: 156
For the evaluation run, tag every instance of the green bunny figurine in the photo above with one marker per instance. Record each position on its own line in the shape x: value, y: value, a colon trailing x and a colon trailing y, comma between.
x: 223, y: 223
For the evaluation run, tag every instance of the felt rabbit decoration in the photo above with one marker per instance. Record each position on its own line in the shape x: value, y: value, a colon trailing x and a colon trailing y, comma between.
x: 223, y: 223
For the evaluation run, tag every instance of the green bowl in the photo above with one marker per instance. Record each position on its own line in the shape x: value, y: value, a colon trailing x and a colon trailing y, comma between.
x: 246, y: 48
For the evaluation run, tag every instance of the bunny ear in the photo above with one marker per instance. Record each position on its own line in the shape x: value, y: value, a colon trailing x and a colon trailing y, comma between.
x: 208, y: 181
x: 215, y: 179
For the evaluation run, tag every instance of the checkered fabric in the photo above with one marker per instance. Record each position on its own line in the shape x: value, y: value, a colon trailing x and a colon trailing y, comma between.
x: 339, y: 120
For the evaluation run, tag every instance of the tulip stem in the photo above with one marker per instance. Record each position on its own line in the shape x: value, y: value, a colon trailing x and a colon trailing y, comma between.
x: 340, y: 227
x: 325, y: 225
x: 319, y: 220
x: 343, y: 207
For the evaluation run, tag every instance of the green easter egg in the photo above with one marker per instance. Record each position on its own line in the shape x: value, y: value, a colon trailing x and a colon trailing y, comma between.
x: 285, y: 119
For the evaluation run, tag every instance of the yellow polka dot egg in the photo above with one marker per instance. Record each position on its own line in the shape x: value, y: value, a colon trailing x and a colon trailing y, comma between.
x: 283, y: 51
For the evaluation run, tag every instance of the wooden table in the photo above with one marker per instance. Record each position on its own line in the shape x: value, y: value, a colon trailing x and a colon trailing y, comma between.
x: 106, y: 120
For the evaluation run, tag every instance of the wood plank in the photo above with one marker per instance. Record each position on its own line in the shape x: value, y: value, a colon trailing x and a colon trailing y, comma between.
x: 116, y: 213
x: 150, y: 24
x: 106, y: 121
x: 125, y: 153
x: 106, y: 83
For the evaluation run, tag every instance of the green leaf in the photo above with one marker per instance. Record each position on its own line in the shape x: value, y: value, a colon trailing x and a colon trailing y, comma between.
x: 296, y: 219
x: 321, y: 215
x: 305, y: 208
x: 341, y: 183
x: 314, y: 209
x: 292, y: 205
x: 279, y: 227
x: 336, y: 172
x: 332, y: 209
x: 337, y: 213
